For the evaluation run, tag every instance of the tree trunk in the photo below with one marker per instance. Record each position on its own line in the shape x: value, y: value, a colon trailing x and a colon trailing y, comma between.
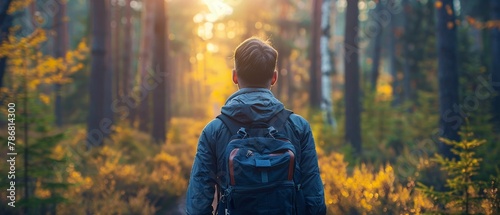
x: 495, y: 67
x: 108, y: 87
x: 170, y: 76
x: 60, y: 46
x: 127, y: 52
x: 351, y: 58
x: 315, y: 57
x: 393, y: 60
x: 279, y: 68
x: 115, y: 47
x: 97, y: 81
x: 108, y: 77
x: 326, y: 66
x: 282, y: 46
x: 5, y: 24
x: 145, y: 61
x: 376, y: 50
x: 447, y: 75
x: 406, y: 53
x: 160, y: 92
x: 290, y: 83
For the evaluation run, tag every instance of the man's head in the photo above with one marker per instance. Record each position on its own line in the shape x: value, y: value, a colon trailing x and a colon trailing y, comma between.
x: 255, y: 64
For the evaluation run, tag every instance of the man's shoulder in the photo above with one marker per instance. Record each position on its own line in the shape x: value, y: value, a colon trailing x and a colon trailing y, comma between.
x: 298, y: 120
x: 299, y: 124
x: 214, y: 125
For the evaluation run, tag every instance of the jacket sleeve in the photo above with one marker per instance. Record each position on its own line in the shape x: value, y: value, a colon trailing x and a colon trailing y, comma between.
x: 311, y: 183
x: 202, y: 180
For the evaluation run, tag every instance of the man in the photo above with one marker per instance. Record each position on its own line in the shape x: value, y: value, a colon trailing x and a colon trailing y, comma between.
x: 254, y: 73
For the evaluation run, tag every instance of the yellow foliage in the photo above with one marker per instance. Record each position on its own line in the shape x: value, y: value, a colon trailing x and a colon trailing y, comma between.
x: 16, y: 5
x: 140, y: 204
x: 27, y: 63
x: 366, y: 192
x: 45, y: 99
x: 57, y: 153
x: 384, y: 92
x: 129, y: 173
x: 40, y: 192
x: 163, y: 157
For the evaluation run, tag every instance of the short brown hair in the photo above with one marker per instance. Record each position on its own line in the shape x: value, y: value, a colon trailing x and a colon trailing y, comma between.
x: 255, y: 61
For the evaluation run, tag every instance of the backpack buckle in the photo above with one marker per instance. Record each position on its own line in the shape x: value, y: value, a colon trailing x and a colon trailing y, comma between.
x: 272, y: 131
x: 242, y: 133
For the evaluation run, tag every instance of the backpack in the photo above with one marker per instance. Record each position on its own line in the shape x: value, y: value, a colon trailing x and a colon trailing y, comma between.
x: 261, y: 165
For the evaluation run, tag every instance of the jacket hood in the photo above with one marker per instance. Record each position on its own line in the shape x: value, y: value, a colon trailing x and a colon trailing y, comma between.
x: 252, y: 104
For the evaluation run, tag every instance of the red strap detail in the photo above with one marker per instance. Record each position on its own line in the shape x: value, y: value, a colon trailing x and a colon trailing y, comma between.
x: 231, y: 165
x: 292, y: 164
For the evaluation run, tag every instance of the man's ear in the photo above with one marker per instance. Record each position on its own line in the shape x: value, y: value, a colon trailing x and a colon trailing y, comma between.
x: 235, y: 77
x: 275, y: 78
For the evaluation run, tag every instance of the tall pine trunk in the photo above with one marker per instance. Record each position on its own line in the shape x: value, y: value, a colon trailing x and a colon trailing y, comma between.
x: 127, y: 51
x: 160, y: 92
x: 315, y: 57
x: 326, y: 66
x: 98, y: 14
x: 447, y: 74
x: 283, y: 48
x: 396, y: 95
x: 279, y: 68
x: 406, y: 53
x: 351, y: 58
x: 145, y: 63
x: 495, y: 67
x: 5, y: 24
x: 290, y: 83
x: 115, y: 46
x: 108, y: 79
x: 377, y: 41
x: 60, y: 47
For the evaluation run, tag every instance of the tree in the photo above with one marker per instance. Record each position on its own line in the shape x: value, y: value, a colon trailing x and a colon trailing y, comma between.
x: 495, y: 67
x: 377, y: 49
x: 351, y: 62
x: 406, y: 53
x: 419, y: 49
x: 282, y: 45
x: 60, y: 46
x: 447, y: 74
x: 145, y: 56
x: 108, y: 73
x: 465, y: 191
x: 98, y: 125
x: 116, y: 27
x: 5, y: 24
x: 392, y: 56
x: 127, y: 50
x: 315, y: 56
x: 160, y: 92
x: 326, y: 65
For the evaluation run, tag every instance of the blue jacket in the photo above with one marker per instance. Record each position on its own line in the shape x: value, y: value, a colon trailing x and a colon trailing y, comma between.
x: 248, y: 105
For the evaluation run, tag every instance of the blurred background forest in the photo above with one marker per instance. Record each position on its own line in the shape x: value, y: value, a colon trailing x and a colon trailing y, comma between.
x: 111, y: 96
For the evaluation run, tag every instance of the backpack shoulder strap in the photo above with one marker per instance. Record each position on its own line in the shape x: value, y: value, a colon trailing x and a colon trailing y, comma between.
x: 230, y: 123
x: 279, y: 120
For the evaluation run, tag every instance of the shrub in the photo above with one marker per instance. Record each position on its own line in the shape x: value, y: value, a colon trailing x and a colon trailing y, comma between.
x: 367, y: 192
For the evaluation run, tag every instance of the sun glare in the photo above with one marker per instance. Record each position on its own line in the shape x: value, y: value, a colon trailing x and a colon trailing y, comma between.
x: 218, y: 9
